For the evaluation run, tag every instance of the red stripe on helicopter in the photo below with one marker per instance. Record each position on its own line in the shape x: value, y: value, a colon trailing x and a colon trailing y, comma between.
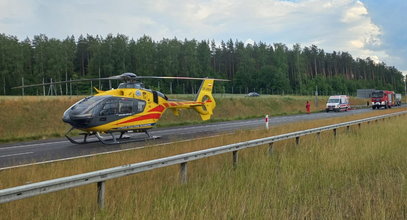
x: 144, y: 117
x: 159, y: 108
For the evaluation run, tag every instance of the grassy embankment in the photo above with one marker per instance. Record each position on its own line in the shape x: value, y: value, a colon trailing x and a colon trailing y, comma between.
x: 358, y: 175
x: 28, y: 118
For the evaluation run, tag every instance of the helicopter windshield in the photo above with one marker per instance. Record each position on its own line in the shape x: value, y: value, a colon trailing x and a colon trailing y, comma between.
x: 86, y: 105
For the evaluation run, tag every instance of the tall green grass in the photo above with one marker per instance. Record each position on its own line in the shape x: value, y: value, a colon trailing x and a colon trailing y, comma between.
x: 357, y: 175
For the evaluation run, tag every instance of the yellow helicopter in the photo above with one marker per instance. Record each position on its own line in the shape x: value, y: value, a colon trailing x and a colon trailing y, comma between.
x: 130, y: 108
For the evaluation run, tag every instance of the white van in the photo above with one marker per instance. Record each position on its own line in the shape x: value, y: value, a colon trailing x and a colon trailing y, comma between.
x: 338, y: 103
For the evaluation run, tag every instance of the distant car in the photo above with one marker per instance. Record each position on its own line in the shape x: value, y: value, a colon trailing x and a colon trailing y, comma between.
x: 253, y: 94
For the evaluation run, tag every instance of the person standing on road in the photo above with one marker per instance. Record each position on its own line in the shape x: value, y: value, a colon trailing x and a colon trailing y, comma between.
x: 308, y: 107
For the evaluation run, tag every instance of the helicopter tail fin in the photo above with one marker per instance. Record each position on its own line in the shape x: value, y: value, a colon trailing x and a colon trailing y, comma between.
x: 205, y: 96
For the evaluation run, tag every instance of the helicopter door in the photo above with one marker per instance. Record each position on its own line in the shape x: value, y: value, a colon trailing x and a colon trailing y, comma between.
x: 109, y: 110
x: 139, y: 105
x: 125, y: 107
x: 115, y: 109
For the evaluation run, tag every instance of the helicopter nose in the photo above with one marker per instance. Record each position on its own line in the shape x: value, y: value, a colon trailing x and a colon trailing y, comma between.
x: 76, y: 120
x: 66, y: 118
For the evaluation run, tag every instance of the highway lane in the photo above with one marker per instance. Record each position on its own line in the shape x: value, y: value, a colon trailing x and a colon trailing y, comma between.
x: 56, y: 149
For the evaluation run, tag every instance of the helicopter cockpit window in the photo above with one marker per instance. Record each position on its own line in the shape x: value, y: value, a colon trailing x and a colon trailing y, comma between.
x: 86, y: 105
x: 110, y: 107
x: 122, y: 106
x: 140, y: 105
x: 89, y: 101
x: 125, y: 106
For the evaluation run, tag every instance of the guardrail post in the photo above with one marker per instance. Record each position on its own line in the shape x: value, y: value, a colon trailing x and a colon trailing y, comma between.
x: 101, y: 194
x: 359, y: 125
x: 235, y: 158
x: 334, y: 132
x: 297, y: 140
x: 347, y: 128
x: 183, y: 173
x: 270, y: 148
x: 319, y: 135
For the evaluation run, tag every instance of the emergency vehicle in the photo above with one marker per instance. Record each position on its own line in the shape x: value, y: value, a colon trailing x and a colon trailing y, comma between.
x: 383, y: 98
x: 338, y: 103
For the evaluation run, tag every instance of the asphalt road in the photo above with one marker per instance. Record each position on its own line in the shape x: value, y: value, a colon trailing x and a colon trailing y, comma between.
x: 56, y: 149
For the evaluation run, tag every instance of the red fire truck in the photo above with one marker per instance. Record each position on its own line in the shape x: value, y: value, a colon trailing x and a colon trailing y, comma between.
x: 383, y: 98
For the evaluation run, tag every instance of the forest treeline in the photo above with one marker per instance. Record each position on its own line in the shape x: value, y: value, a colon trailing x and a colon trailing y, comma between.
x: 265, y: 68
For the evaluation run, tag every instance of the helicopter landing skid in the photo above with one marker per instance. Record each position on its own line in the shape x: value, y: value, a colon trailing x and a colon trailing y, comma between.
x: 122, y: 139
x: 119, y: 140
x: 85, y: 138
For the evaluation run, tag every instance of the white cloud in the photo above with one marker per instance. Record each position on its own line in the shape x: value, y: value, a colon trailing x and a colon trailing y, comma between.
x: 340, y: 25
x: 14, y: 15
x: 14, y: 9
x: 249, y: 41
x: 355, y: 13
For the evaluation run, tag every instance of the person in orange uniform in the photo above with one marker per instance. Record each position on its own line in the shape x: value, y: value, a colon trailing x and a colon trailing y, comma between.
x: 308, y: 107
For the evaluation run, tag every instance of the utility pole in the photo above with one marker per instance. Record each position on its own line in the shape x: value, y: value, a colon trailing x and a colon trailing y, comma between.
x: 43, y: 86
x: 70, y: 87
x: 66, y: 79
x: 4, y: 85
x: 405, y: 87
x: 298, y: 70
x: 22, y: 82
x: 316, y: 96
x: 50, y: 89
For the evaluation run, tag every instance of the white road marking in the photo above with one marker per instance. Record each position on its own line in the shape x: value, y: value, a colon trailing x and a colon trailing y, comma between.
x: 31, y: 145
x: 10, y: 155
x: 103, y: 153
x: 226, y: 125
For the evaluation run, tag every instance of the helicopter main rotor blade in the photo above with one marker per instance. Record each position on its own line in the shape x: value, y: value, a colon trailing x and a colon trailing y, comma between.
x: 178, y: 77
x: 124, y: 76
x: 61, y: 82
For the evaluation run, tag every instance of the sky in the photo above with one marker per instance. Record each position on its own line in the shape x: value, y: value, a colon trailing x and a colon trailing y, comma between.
x: 364, y: 28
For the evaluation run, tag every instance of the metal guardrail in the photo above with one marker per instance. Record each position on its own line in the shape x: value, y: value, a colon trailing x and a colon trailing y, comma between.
x: 100, y: 176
